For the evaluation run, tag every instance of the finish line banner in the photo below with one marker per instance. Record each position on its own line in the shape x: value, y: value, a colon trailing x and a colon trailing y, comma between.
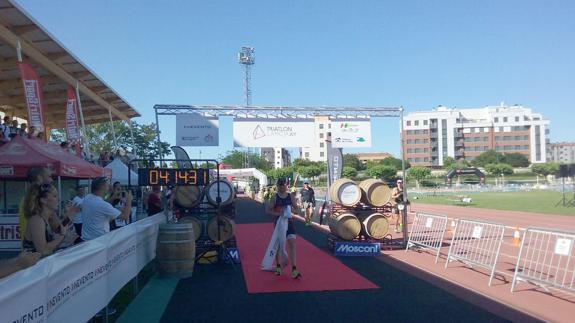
x: 281, y: 133
x: 73, y: 285
x: 351, y: 133
x: 196, y: 130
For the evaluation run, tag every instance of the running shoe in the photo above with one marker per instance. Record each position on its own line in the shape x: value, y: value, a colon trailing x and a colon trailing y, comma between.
x: 295, y: 274
x: 307, y: 223
x: 278, y: 271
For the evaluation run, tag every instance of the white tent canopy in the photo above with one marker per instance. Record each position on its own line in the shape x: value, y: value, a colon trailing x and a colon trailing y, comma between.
x: 246, y: 172
x: 120, y: 173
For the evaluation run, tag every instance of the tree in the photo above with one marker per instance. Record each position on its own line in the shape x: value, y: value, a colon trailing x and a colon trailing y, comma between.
x: 498, y: 169
x: 309, y: 171
x: 488, y: 157
x: 236, y: 159
x: 418, y: 173
x: 382, y: 171
x: 545, y: 168
x: 101, y: 139
x: 349, y: 172
x: 449, y: 163
x: 394, y: 162
x: 516, y: 160
x: 274, y: 174
x: 351, y: 160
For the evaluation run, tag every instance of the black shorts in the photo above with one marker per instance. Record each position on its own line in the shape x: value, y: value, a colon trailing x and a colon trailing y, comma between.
x: 290, y: 229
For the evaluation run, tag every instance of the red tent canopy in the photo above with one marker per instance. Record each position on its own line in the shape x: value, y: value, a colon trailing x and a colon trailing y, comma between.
x: 17, y: 156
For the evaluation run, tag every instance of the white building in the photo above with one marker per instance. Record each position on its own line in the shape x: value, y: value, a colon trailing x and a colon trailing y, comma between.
x: 561, y: 152
x: 279, y: 157
x: 431, y: 136
x: 317, y: 150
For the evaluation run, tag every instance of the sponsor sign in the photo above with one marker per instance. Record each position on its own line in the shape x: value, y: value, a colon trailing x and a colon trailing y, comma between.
x: 477, y: 230
x: 563, y: 246
x: 284, y: 133
x: 351, y: 133
x: 357, y: 249
x: 72, y: 124
x: 334, y: 163
x: 194, y: 129
x: 234, y: 254
x: 6, y: 170
x: 33, y: 93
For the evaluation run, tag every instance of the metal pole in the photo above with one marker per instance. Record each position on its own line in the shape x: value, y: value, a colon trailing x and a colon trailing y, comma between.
x: 19, y: 51
x: 84, y: 138
x: 158, y: 136
x: 404, y: 211
x: 112, y: 126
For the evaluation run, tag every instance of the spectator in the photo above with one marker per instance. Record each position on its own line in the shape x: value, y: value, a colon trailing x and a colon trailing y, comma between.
x: 24, y: 260
x: 77, y: 201
x: 154, y: 201
x: 39, y: 204
x: 308, y: 199
x: 36, y: 175
x: 3, y: 139
x: 64, y: 145
x: 97, y: 213
x: 40, y: 135
x: 14, y: 130
x: 22, y: 133
x: 5, y: 127
x: 31, y: 132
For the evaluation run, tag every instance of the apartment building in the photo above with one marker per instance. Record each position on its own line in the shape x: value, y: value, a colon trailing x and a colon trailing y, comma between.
x: 365, y: 157
x: 317, y: 150
x: 279, y: 157
x: 561, y: 152
x: 431, y: 136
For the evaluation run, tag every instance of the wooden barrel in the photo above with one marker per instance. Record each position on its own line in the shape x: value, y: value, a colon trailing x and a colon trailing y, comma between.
x: 345, y: 192
x: 375, y: 226
x: 225, y: 225
x: 227, y: 192
x: 188, y: 196
x: 176, y: 250
x: 374, y: 192
x: 345, y: 225
x: 196, y: 223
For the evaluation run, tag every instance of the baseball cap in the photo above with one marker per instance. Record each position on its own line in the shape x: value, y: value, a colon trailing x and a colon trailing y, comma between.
x: 306, y: 182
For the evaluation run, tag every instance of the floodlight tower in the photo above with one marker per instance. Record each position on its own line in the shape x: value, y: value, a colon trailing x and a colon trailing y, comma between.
x: 247, y: 59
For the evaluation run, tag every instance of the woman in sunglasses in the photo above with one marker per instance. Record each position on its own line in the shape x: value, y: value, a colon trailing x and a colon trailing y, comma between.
x: 40, y: 203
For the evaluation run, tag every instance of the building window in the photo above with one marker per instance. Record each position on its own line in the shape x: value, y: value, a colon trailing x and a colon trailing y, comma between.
x: 321, y: 154
x: 321, y: 135
x: 416, y: 123
x: 425, y: 122
x: 516, y: 119
x: 408, y: 123
x: 321, y: 125
x: 496, y: 119
x: 321, y: 144
x: 504, y: 119
x: 329, y: 135
x: 307, y: 155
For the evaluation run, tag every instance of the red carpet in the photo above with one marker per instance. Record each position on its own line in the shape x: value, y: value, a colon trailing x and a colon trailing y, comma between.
x: 320, y: 271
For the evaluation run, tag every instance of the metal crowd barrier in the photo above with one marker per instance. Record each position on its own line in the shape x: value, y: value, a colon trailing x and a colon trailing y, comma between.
x: 546, y: 258
x: 427, y: 232
x: 476, y: 243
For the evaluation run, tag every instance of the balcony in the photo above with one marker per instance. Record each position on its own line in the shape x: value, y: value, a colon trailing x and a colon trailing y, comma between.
x: 433, y: 135
x: 459, y: 153
x: 459, y: 143
x: 458, y: 133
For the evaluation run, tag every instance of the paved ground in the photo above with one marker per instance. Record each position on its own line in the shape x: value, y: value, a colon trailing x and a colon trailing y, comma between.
x: 411, y: 288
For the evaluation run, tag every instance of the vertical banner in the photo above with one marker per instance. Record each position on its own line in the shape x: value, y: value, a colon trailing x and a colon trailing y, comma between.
x: 334, y: 164
x: 72, y: 125
x: 34, y: 97
x: 180, y: 153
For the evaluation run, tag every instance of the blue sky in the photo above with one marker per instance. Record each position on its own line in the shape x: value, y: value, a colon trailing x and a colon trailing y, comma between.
x: 415, y: 54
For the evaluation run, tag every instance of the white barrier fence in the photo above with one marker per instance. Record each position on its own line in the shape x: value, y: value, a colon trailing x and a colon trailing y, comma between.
x: 73, y: 285
x: 427, y: 232
x: 546, y: 258
x: 476, y: 243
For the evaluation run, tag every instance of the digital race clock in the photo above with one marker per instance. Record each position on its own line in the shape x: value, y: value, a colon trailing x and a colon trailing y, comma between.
x: 173, y: 176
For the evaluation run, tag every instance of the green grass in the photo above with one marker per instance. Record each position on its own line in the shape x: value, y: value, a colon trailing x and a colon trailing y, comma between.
x: 534, y: 201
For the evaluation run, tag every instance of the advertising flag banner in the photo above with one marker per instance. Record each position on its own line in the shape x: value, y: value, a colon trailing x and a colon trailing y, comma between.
x: 181, y: 154
x: 194, y: 129
x: 281, y: 133
x: 351, y: 133
x: 34, y: 97
x: 334, y: 164
x: 72, y: 124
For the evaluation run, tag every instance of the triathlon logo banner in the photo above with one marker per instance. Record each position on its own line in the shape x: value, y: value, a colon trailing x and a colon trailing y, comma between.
x: 34, y: 98
x: 284, y: 133
x: 351, y: 133
x: 196, y: 130
x: 72, y: 125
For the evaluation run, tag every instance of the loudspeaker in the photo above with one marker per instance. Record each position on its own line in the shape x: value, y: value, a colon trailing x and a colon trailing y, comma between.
x: 563, y: 171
